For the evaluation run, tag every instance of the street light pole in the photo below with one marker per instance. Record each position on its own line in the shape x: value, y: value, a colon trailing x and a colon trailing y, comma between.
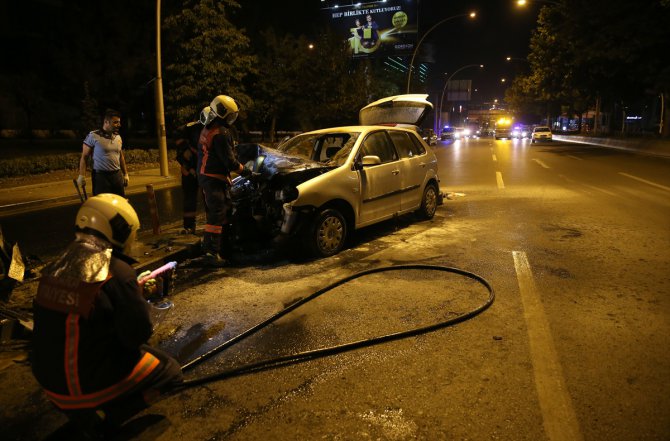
x: 160, y: 115
x: 416, y: 49
x: 445, y: 88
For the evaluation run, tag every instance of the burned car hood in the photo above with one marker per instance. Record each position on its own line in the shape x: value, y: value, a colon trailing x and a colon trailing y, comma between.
x: 269, y: 163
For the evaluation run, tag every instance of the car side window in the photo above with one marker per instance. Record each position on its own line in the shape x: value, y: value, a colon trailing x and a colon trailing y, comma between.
x: 420, y: 149
x: 403, y: 143
x: 379, y: 144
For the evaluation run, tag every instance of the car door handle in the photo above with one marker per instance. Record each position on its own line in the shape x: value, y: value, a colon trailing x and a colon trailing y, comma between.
x: 422, y: 164
x: 395, y: 172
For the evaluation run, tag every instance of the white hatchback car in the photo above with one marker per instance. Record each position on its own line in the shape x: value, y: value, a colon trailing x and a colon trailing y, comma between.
x: 540, y: 133
x: 319, y: 186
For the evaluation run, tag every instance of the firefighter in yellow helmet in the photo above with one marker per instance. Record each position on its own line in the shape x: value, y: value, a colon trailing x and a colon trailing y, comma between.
x: 216, y: 160
x: 92, y: 324
x: 187, y: 156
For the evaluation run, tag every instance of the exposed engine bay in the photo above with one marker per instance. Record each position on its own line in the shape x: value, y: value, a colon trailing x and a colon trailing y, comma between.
x: 258, y: 201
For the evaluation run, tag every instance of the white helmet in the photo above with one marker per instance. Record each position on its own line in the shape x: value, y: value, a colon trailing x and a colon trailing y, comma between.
x: 205, y: 117
x: 224, y: 107
x: 111, y: 216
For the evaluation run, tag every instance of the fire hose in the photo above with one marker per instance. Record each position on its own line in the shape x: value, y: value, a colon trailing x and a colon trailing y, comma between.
x: 332, y: 350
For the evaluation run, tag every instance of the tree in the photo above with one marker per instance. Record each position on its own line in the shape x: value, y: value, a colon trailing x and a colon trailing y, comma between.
x: 598, y: 50
x: 206, y: 56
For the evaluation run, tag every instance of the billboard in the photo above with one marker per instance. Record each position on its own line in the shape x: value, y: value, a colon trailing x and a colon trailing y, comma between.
x: 387, y: 29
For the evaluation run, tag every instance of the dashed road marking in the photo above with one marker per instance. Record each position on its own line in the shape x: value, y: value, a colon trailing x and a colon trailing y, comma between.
x: 499, y: 180
x: 558, y: 414
x: 495, y: 158
x: 662, y: 187
x: 541, y: 163
x: 575, y: 157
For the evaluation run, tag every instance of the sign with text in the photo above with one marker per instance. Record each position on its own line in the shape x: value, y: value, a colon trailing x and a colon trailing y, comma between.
x: 387, y: 29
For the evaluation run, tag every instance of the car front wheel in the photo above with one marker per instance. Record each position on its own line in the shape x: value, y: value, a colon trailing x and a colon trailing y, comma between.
x: 428, y: 202
x: 328, y: 233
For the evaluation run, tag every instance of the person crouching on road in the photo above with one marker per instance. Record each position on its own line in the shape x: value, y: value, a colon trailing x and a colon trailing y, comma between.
x: 187, y: 156
x: 91, y: 324
x: 109, y: 173
x: 216, y: 160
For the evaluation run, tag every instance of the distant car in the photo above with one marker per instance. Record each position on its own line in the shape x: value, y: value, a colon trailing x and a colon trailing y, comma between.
x: 520, y: 132
x: 462, y: 133
x: 541, y: 133
x: 502, y: 132
x: 429, y: 136
x: 320, y: 186
x: 447, y: 133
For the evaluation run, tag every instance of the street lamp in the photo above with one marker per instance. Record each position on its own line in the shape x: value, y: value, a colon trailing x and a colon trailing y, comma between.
x: 160, y: 113
x: 445, y: 88
x: 416, y: 49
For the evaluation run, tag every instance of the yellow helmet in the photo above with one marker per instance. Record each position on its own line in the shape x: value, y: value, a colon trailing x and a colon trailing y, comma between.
x: 224, y: 107
x: 111, y: 216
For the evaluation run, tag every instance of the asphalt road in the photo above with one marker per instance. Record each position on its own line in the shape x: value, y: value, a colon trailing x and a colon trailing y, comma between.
x: 575, y: 241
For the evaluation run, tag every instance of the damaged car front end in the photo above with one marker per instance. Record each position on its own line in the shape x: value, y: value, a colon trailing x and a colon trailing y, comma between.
x: 316, y: 188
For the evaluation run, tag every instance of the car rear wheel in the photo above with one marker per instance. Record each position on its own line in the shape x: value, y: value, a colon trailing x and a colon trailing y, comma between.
x: 328, y: 233
x: 428, y: 202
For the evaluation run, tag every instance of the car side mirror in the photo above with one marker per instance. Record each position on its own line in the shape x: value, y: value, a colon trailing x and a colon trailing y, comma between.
x: 370, y: 160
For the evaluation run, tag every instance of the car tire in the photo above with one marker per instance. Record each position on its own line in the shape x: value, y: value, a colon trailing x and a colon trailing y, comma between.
x: 428, y: 202
x: 328, y: 233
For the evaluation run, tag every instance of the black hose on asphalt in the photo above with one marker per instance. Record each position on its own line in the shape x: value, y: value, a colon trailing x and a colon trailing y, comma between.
x: 310, y: 355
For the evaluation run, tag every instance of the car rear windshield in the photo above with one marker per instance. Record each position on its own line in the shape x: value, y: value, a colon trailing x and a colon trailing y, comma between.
x: 330, y: 148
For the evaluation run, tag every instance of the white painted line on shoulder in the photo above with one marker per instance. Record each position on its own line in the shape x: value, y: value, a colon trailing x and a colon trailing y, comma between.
x: 575, y: 157
x: 499, y: 180
x: 541, y: 163
x: 653, y: 184
x: 558, y: 414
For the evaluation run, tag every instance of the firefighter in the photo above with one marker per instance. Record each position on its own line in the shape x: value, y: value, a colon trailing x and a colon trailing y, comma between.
x: 216, y: 160
x: 91, y: 324
x: 187, y: 156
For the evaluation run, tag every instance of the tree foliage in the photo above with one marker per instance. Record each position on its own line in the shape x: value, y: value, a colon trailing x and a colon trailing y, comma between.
x: 306, y: 88
x: 582, y: 50
x: 205, y: 56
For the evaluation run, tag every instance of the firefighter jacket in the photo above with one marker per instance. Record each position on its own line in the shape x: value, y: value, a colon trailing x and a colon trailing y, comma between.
x: 187, y: 147
x: 216, y: 152
x: 90, y: 321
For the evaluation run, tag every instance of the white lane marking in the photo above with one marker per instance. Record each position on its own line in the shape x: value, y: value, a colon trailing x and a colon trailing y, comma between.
x: 499, y: 180
x: 558, y: 414
x: 575, y: 157
x: 592, y: 187
x: 541, y: 163
x: 662, y: 187
x: 495, y: 158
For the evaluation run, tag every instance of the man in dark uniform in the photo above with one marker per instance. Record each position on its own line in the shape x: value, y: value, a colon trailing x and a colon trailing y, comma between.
x: 216, y: 160
x: 187, y: 156
x: 92, y: 324
x: 109, y: 173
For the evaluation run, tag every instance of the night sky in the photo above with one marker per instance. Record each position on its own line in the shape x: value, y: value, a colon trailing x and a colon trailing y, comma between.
x: 501, y: 29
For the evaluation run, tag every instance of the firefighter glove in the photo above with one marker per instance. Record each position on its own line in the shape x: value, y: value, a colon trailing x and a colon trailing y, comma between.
x: 245, y: 172
x: 81, y: 180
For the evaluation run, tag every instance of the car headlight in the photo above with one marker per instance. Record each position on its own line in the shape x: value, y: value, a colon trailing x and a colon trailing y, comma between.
x: 287, y: 194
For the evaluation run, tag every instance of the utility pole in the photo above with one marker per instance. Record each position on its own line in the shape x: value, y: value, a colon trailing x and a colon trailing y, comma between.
x: 160, y: 115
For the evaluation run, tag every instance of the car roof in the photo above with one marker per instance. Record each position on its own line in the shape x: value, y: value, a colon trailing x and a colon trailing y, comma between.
x: 369, y: 128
